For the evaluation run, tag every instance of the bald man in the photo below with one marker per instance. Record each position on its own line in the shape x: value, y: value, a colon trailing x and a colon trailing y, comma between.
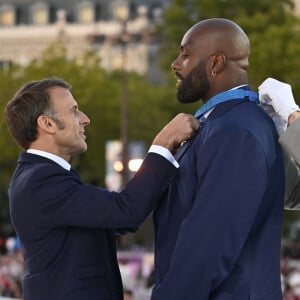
x: 218, y: 228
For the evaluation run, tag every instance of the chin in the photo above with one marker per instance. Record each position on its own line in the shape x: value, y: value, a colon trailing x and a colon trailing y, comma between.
x: 81, y: 150
x: 187, y: 100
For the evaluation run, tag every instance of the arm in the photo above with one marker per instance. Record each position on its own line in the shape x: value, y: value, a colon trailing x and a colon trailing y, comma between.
x: 290, y: 139
x: 292, y: 183
x: 279, y: 97
x: 71, y: 203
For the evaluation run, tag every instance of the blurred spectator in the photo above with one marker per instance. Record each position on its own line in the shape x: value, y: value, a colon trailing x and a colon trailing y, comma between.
x: 12, y: 270
x: 137, y: 270
x: 288, y: 294
x: 128, y: 295
x: 292, y: 288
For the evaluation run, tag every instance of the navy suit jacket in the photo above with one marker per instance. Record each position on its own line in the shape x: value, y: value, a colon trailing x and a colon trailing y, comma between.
x: 66, y: 227
x: 218, y: 228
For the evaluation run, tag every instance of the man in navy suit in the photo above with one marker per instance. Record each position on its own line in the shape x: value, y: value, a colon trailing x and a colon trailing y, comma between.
x: 218, y: 227
x: 67, y: 227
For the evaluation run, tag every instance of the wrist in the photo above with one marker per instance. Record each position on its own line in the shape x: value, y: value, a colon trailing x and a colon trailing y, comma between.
x: 164, y: 142
x: 293, y: 117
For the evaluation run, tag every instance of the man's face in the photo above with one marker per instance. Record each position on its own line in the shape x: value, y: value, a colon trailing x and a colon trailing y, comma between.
x: 194, y: 85
x: 69, y: 137
x: 190, y: 70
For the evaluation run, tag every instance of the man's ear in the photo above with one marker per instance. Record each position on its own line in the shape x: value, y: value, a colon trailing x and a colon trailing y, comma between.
x: 217, y: 63
x: 46, y: 124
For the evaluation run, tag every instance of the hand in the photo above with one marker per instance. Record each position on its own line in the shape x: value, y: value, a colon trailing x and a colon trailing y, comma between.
x: 279, y: 95
x: 178, y: 130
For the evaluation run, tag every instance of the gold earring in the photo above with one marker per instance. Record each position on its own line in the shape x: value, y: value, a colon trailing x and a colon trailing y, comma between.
x: 213, y: 73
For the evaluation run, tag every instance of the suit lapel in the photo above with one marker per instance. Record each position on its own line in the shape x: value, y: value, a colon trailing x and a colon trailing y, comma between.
x: 217, y: 111
x: 179, y: 154
x: 223, y: 107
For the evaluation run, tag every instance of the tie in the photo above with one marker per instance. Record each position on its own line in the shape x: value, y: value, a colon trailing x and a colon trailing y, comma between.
x: 202, y: 121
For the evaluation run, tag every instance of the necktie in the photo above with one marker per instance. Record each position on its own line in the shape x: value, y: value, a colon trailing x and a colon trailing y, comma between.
x: 202, y: 121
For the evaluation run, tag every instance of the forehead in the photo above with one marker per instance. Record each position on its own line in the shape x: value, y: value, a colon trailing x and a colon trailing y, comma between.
x: 61, y: 98
x: 195, y: 40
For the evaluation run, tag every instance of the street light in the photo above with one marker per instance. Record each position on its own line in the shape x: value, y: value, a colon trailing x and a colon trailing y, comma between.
x: 121, y: 13
x: 114, y: 164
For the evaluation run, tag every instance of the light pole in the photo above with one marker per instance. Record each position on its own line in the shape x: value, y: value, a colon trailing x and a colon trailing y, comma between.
x: 121, y: 12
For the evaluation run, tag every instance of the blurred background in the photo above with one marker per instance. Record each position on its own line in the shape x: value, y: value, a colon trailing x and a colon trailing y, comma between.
x: 117, y: 56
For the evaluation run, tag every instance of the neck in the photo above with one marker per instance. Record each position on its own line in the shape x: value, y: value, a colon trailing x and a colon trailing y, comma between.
x: 221, y: 90
x: 37, y: 145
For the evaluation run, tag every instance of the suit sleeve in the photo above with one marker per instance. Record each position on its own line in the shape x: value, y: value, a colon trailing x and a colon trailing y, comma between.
x: 292, y: 183
x: 290, y: 141
x: 63, y: 200
x: 229, y: 196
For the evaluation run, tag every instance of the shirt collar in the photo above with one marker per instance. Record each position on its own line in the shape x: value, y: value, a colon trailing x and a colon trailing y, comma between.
x: 57, y: 159
x: 209, y: 112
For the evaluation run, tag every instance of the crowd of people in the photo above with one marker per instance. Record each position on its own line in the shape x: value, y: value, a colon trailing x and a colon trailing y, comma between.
x: 137, y: 272
x: 12, y: 269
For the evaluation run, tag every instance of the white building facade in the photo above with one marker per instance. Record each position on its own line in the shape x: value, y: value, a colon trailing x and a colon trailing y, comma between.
x: 28, y: 27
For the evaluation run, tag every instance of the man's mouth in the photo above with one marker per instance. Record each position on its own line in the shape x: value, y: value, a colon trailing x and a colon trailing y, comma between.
x: 82, y: 133
x: 179, y: 80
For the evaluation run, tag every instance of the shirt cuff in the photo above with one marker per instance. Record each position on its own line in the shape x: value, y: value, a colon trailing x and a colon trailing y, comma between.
x: 165, y: 153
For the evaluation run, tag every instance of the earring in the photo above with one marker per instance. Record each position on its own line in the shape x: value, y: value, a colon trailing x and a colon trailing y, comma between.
x: 213, y: 73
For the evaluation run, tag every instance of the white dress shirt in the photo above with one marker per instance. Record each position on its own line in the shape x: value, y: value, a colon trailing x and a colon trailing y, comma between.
x: 64, y: 164
x: 60, y: 161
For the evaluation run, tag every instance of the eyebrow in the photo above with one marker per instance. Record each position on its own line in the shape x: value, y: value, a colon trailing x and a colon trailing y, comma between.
x: 182, y: 47
x: 186, y: 46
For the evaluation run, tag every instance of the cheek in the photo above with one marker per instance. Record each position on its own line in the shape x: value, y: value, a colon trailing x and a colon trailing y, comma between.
x: 187, y: 65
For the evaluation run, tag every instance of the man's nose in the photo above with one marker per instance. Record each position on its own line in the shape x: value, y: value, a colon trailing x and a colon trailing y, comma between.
x: 175, y: 65
x: 84, y: 119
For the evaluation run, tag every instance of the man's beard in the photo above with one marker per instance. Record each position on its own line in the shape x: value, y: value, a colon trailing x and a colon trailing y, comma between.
x: 194, y: 86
